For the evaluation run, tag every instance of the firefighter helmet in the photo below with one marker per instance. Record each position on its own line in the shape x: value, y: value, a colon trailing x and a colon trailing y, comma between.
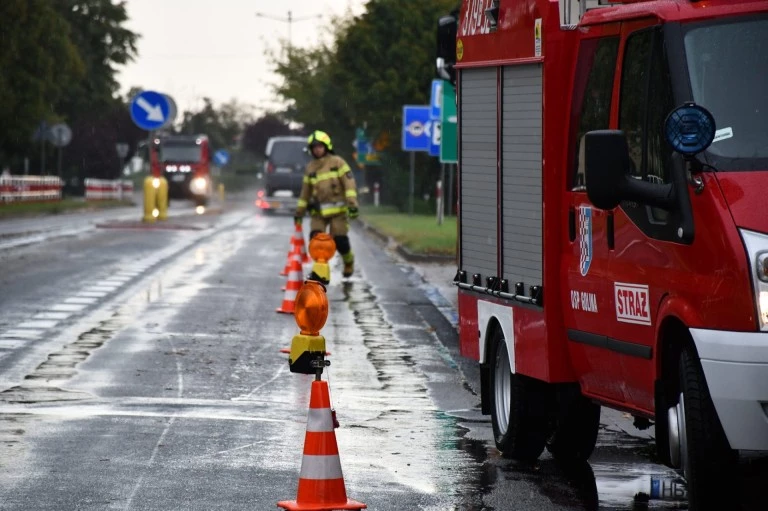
x: 320, y: 137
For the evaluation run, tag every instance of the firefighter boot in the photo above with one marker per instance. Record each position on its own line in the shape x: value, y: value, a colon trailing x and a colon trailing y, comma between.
x: 349, y: 263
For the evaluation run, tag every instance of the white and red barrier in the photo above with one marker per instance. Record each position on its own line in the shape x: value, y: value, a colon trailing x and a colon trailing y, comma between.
x: 29, y: 188
x: 107, y: 189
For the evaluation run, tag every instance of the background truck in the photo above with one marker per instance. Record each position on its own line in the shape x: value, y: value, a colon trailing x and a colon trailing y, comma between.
x: 613, y: 241
x: 185, y: 161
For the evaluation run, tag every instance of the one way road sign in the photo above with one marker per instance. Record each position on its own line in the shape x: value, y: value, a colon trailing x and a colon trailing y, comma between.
x: 149, y: 110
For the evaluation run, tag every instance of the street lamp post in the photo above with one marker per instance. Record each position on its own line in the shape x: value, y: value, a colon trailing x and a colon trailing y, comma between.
x: 290, y: 20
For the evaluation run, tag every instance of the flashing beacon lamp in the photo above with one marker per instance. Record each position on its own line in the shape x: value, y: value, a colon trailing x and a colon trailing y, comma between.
x: 308, y: 347
x: 321, y: 250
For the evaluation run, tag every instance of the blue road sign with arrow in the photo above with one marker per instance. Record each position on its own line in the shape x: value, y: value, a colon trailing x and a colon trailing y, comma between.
x: 221, y: 157
x: 150, y: 110
x: 417, y: 128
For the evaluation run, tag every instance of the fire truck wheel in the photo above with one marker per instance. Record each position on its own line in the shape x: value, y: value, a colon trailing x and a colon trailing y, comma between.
x: 708, y: 462
x: 576, y: 433
x: 519, y: 407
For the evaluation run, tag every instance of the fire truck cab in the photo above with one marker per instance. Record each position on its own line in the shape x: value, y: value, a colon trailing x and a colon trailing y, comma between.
x: 185, y: 161
x: 612, y: 246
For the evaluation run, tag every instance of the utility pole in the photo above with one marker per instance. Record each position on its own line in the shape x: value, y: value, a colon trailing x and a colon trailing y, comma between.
x: 290, y: 20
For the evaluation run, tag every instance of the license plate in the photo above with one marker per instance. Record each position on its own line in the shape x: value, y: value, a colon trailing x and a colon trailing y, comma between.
x: 178, y: 178
x: 275, y: 205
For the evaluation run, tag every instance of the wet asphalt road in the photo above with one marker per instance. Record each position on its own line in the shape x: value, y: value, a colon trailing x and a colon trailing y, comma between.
x: 140, y: 369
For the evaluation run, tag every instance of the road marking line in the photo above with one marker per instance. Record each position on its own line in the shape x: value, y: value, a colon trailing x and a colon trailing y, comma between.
x: 84, y: 300
x: 22, y: 334
x: 68, y: 307
x: 92, y: 294
x: 52, y: 315
x: 39, y: 323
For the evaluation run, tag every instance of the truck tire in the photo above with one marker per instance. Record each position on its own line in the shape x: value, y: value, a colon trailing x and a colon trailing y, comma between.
x: 576, y: 432
x: 519, y: 407
x: 709, y: 463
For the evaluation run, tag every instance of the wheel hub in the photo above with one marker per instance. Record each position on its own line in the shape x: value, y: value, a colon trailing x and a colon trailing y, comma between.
x: 502, y: 387
x: 678, y: 437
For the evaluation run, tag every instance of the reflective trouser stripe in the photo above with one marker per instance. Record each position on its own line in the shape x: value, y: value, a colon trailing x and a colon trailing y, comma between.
x: 320, y: 467
x: 351, y: 193
x: 319, y: 420
x: 301, y: 203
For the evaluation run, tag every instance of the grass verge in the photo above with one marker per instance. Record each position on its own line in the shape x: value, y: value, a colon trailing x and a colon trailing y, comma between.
x: 418, y: 233
x: 22, y: 209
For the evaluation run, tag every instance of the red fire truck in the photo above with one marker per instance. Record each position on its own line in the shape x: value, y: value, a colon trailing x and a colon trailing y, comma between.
x: 612, y: 246
x: 184, y: 160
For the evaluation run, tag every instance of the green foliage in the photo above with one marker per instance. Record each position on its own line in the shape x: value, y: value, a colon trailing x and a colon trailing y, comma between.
x: 418, y: 233
x: 38, y: 59
x: 256, y: 134
x: 102, y: 42
x: 223, y: 124
x: 58, y: 62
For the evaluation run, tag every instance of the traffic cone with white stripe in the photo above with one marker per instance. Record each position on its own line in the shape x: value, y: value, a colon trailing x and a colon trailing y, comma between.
x: 301, y: 246
x: 321, y: 483
x: 292, y: 286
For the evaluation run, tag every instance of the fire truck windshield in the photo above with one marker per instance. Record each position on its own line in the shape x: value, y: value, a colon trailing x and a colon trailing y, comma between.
x: 728, y: 69
x: 187, y: 153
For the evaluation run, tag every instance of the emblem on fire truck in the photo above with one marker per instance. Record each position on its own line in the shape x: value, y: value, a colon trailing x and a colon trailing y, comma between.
x: 585, y: 239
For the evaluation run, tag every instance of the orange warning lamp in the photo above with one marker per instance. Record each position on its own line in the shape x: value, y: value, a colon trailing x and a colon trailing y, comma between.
x: 321, y: 249
x: 311, y: 308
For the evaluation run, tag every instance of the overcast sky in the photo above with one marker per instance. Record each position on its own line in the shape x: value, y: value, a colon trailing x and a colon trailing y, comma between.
x: 195, y: 48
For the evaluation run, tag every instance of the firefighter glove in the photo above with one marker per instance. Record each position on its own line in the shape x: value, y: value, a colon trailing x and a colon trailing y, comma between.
x: 353, y: 212
x: 297, y: 219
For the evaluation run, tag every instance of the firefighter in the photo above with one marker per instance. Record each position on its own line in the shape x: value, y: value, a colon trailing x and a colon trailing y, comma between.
x: 329, y: 194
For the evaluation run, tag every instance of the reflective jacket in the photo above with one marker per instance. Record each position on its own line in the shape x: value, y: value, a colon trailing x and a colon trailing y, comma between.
x: 328, y: 187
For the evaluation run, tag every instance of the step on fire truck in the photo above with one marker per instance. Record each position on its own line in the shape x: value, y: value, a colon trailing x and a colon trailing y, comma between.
x: 613, y: 161
x: 185, y: 161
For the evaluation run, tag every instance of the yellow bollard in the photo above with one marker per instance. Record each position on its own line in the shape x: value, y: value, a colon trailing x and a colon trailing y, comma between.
x: 162, y: 199
x: 150, y: 199
x: 221, y: 192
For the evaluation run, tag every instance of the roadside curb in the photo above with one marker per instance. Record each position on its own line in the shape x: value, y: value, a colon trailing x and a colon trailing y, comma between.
x: 404, y: 252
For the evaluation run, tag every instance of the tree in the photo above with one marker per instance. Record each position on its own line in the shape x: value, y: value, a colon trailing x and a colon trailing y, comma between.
x: 256, y: 134
x: 97, y: 31
x: 223, y: 125
x: 38, y: 62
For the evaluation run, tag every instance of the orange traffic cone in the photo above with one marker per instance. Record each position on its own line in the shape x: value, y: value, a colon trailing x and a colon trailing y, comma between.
x: 298, y: 239
x: 292, y: 286
x: 321, y: 483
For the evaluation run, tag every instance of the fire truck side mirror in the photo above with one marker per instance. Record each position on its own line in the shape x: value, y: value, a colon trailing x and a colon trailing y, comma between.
x: 607, y: 174
x: 447, y: 28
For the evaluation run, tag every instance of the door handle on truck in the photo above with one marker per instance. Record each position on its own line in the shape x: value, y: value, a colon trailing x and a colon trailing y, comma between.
x: 572, y: 224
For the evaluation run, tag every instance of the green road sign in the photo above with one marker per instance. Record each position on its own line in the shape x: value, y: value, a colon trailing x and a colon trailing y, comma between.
x: 449, y: 136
